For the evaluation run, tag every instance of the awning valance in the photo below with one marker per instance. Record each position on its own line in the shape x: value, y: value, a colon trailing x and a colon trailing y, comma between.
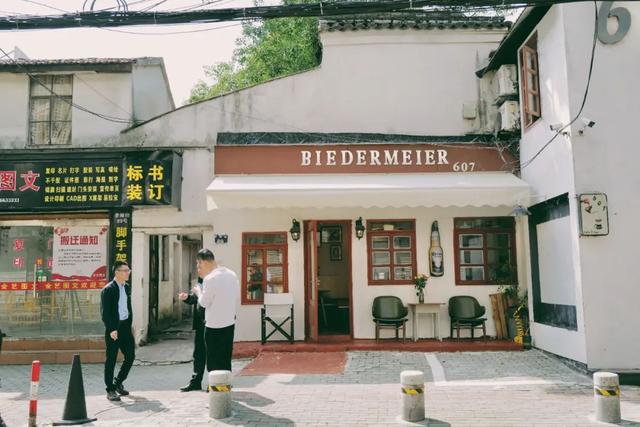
x: 366, y: 190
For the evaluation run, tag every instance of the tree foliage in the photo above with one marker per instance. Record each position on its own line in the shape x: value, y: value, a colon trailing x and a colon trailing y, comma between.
x: 266, y: 50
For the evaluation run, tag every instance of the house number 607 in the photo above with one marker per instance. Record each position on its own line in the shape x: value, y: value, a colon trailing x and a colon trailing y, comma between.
x: 624, y: 22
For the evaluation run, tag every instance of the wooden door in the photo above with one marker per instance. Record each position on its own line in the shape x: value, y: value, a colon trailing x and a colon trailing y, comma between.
x: 311, y: 279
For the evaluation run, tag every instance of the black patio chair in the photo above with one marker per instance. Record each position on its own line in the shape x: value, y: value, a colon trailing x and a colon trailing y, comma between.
x: 390, y: 313
x: 466, y: 313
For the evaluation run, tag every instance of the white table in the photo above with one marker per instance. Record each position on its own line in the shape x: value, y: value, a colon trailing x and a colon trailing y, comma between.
x: 432, y: 308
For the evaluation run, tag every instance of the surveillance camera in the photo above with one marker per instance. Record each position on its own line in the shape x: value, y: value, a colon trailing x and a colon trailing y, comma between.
x: 588, y: 122
x: 556, y: 127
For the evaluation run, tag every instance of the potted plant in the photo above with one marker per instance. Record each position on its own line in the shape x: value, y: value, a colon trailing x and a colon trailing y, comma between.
x: 420, y: 282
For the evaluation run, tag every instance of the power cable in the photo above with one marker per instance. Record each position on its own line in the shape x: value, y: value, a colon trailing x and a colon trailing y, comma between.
x: 172, y: 32
x: 584, y: 98
x: 63, y: 99
x: 46, y: 5
x: 322, y: 9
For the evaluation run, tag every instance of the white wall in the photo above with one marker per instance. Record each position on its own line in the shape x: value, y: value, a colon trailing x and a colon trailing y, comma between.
x: 389, y: 81
x: 606, y: 161
x: 549, y: 175
x: 14, y: 110
x: 151, y: 91
x: 234, y: 222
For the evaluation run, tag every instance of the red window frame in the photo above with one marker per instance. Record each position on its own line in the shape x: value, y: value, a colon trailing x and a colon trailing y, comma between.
x: 391, y: 233
x: 285, y: 259
x: 485, y: 249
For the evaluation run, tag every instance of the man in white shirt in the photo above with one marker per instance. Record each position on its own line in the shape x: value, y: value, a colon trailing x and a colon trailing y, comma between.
x: 220, y: 296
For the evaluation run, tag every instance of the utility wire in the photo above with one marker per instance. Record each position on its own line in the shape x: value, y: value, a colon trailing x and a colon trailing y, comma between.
x: 584, y: 98
x: 222, y: 27
x: 322, y: 9
x: 63, y: 99
x: 46, y: 5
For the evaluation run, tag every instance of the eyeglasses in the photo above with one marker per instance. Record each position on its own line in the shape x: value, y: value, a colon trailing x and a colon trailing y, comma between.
x: 125, y: 270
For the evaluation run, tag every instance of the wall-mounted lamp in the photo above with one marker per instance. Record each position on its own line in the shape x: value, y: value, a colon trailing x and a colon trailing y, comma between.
x: 519, y: 210
x: 360, y: 228
x: 221, y: 238
x: 295, y: 230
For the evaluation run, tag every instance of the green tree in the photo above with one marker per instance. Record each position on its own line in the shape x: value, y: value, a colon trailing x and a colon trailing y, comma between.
x: 266, y: 50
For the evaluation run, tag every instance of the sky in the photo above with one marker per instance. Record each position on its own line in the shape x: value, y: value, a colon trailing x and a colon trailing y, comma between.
x: 184, y: 54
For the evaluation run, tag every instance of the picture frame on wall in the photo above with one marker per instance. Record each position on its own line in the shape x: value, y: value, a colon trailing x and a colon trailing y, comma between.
x: 335, y: 253
x: 332, y: 234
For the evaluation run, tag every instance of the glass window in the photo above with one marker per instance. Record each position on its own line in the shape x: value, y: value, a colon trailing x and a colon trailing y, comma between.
x: 50, y: 109
x: 485, y: 250
x: 529, y: 78
x: 39, y: 296
x: 265, y: 260
x: 391, y: 251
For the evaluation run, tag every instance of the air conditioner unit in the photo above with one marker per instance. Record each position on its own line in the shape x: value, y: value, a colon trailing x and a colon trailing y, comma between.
x: 508, y: 118
x: 506, y: 81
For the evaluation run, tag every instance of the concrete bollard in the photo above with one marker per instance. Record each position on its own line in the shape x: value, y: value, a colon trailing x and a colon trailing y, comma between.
x: 219, y: 394
x: 606, y: 392
x: 412, y: 395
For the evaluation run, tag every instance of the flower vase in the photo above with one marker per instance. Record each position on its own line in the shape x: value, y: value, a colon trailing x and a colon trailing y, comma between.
x: 421, y: 296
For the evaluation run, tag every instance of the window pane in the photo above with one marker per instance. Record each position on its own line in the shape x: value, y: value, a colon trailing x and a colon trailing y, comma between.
x: 60, y: 110
x: 501, y: 272
x: 381, y: 273
x: 275, y: 274
x: 39, y: 110
x: 471, y: 257
x: 499, y: 256
x: 498, y: 222
x: 254, y: 274
x: 39, y: 133
x: 471, y: 273
x: 471, y: 240
x: 275, y: 288
x: 38, y: 89
x: 61, y: 133
x: 274, y: 256
x: 381, y: 258
x: 254, y: 292
x: 62, y: 85
x: 390, y: 225
x: 254, y: 257
x: 402, y: 242
x: 380, y: 242
x: 265, y: 239
x: 500, y: 240
x: 402, y: 273
x: 402, y: 258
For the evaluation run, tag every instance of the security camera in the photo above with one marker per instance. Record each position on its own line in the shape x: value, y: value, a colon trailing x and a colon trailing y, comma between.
x: 588, y: 122
x: 556, y: 127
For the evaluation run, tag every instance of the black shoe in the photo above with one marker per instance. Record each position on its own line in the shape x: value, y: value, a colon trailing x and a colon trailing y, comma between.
x: 120, y: 390
x: 112, y: 396
x: 191, y: 387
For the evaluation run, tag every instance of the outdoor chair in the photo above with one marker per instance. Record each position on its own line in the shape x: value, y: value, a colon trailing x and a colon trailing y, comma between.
x: 277, y: 311
x: 389, y: 313
x: 466, y: 313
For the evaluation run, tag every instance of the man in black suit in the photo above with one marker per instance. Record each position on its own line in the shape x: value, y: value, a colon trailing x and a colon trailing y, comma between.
x: 115, y: 305
x: 199, y: 349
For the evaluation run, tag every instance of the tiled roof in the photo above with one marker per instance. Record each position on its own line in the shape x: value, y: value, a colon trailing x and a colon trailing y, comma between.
x: 415, y: 21
x: 78, y: 61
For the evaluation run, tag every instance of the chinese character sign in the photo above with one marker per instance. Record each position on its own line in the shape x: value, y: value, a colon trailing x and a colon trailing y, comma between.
x: 79, y: 253
x: 121, y: 235
x: 149, y: 179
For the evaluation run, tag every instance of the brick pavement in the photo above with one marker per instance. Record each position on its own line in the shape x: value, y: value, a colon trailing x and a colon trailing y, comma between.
x: 463, y: 389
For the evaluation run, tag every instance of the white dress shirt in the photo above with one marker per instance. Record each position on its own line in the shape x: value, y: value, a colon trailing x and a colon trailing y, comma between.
x: 220, y: 297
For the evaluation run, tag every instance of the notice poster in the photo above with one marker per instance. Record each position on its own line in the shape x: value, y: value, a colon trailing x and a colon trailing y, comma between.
x: 80, y: 253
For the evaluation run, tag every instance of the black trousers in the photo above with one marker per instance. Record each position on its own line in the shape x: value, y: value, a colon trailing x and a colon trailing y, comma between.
x: 126, y: 345
x: 219, y: 348
x: 199, y: 355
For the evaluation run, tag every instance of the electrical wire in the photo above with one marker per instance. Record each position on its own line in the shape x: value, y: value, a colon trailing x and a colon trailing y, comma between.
x: 222, y: 27
x: 46, y: 5
x: 322, y: 9
x: 584, y: 98
x: 63, y: 99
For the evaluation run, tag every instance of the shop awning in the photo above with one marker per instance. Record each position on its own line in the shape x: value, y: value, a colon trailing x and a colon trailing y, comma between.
x: 366, y: 190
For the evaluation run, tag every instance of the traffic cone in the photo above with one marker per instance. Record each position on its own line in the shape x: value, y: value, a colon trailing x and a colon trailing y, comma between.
x: 75, y: 407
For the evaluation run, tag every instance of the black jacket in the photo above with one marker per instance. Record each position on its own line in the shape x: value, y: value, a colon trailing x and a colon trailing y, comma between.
x: 198, y: 312
x: 109, y: 297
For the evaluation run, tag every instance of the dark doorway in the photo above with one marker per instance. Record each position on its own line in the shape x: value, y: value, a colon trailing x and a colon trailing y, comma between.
x: 334, y: 277
x: 154, y: 281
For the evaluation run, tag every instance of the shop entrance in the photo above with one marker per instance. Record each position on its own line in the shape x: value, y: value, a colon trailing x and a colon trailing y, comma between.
x: 328, y: 293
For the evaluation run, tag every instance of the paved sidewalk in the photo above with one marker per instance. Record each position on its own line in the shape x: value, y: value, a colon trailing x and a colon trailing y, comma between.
x: 463, y: 389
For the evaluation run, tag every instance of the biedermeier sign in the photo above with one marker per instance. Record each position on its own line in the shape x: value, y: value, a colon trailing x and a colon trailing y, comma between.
x: 370, y: 158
